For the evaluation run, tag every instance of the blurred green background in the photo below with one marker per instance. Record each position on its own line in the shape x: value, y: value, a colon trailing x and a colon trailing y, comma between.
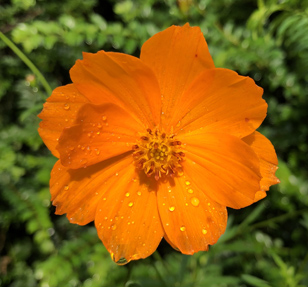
x: 265, y: 244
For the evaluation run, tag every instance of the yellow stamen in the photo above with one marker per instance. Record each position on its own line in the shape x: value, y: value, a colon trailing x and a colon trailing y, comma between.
x: 158, y: 154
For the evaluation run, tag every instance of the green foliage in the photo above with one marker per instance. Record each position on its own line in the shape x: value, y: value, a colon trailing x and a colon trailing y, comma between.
x: 264, y: 245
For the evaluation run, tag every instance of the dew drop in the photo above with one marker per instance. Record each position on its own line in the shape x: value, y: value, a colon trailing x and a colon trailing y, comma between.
x: 113, y: 227
x: 66, y: 187
x: 204, y: 231
x: 104, y: 118
x: 171, y: 208
x: 178, y: 124
x: 121, y: 261
x: 139, y: 193
x: 169, y: 190
x: 195, y: 201
x: 180, y: 172
x: 190, y: 190
x: 98, y: 152
x: 127, y: 194
x: 187, y: 182
x: 182, y: 228
x: 130, y: 204
x: 66, y: 106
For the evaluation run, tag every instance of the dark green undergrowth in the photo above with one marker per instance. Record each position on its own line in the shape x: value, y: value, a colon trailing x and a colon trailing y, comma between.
x: 264, y: 245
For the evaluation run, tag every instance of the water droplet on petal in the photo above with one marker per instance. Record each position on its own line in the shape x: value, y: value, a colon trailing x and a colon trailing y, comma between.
x: 113, y: 227
x: 182, y: 228
x: 66, y: 187
x: 187, y: 182
x: 104, y: 118
x: 204, y: 231
x: 139, y: 193
x: 195, y: 201
x: 171, y: 208
x: 130, y: 204
x: 66, y: 106
x: 190, y: 190
x: 121, y: 261
x: 127, y: 194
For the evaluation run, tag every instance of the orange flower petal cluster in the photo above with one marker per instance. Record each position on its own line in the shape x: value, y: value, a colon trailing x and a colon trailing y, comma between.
x: 158, y: 146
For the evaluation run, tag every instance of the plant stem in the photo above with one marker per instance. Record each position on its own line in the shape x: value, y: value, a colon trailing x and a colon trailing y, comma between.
x: 27, y: 61
x: 158, y: 258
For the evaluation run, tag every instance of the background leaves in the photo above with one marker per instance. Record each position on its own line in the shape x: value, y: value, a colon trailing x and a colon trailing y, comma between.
x: 264, y: 245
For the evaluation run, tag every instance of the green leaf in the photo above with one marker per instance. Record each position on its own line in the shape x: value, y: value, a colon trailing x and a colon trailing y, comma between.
x: 254, y: 281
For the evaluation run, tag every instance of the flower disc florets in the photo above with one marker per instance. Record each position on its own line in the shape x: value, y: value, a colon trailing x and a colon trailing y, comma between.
x: 158, y: 154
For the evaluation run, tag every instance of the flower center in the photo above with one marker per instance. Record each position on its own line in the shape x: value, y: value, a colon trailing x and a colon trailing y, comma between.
x: 158, y: 154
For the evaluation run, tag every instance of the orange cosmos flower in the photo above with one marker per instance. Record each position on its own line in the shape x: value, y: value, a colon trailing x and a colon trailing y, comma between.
x: 158, y: 146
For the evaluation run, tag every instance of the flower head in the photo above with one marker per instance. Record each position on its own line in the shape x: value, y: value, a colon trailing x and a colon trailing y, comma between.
x: 158, y: 146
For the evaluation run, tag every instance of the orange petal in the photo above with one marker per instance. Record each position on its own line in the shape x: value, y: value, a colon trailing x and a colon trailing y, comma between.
x: 268, y: 161
x: 59, y: 112
x: 220, y: 100
x: 177, y: 55
x: 259, y: 195
x: 77, y: 192
x: 127, y: 219
x: 120, y: 79
x: 224, y: 166
x: 102, y: 132
x: 190, y: 218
